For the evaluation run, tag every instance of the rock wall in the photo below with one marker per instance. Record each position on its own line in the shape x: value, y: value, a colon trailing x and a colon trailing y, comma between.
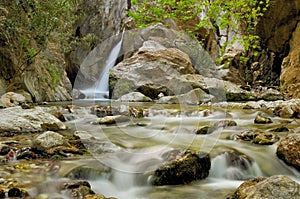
x: 44, y: 78
x: 99, y: 20
x: 290, y: 79
x: 280, y: 36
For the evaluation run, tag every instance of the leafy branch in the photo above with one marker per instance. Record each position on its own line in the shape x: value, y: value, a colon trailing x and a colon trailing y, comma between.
x: 237, y: 17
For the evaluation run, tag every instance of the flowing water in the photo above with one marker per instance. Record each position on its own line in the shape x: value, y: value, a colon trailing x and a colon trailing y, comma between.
x: 133, y: 149
x: 101, y: 88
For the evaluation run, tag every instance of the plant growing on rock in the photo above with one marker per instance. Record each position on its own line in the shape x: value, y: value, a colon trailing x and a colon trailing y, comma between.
x: 28, y: 26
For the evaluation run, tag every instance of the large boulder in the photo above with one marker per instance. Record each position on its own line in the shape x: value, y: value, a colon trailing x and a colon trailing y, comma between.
x: 268, y: 188
x: 288, y: 150
x: 28, y: 120
x: 149, y: 72
x: 183, y: 169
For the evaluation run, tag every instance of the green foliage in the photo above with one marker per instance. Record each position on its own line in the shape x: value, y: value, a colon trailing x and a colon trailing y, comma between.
x: 55, y: 75
x: 28, y: 26
x: 239, y: 16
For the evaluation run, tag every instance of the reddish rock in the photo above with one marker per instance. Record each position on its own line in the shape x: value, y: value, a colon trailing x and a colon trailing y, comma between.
x: 289, y: 150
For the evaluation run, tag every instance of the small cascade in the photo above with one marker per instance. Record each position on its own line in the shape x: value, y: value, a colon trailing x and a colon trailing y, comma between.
x: 101, y: 89
x: 233, y: 165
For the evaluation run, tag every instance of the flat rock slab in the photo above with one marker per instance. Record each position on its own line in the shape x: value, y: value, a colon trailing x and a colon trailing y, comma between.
x: 28, y: 120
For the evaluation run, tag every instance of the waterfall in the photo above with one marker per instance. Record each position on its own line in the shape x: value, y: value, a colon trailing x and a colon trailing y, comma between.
x: 100, y: 90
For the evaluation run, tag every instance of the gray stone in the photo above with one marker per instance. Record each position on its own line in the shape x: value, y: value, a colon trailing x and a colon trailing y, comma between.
x: 22, y: 120
x: 134, y: 97
x: 196, y: 96
x: 149, y: 72
x: 274, y: 187
x: 270, y: 95
x: 48, y: 140
x: 221, y: 89
x: 11, y: 99
x: 113, y: 119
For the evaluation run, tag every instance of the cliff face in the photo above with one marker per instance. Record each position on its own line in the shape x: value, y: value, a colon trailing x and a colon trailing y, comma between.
x: 44, y: 78
x: 100, y: 20
x: 32, y: 61
x: 47, y: 77
x: 280, y: 33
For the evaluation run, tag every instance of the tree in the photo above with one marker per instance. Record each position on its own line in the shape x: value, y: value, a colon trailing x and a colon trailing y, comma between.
x: 27, y: 26
x: 238, y: 17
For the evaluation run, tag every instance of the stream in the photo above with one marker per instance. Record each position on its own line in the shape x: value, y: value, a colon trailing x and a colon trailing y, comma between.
x: 133, y: 149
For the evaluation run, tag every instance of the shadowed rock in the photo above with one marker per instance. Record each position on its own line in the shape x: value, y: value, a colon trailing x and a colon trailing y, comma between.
x: 184, y: 169
x: 289, y: 150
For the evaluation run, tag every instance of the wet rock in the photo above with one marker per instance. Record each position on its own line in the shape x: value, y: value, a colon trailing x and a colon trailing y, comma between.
x: 135, y: 112
x: 203, y: 130
x: 280, y: 129
x: 252, y: 105
x: 78, y: 190
x: 2, y: 193
x: 196, y: 96
x: 48, y: 140
x: 11, y: 99
x: 60, y: 152
x: 288, y: 109
x: 59, y: 115
x: 97, y: 196
x: 235, y: 166
x: 113, y: 119
x: 134, y: 97
x: 284, y: 111
x: 26, y: 153
x: 185, y: 168
x: 270, y: 95
x: 274, y: 187
x: 257, y: 137
x: 86, y: 172
x: 224, y: 124
x: 288, y: 150
x: 28, y: 120
x: 16, y: 192
x: 237, y: 159
x: 4, y: 149
x: 101, y: 111
x: 260, y: 119
x: 215, y: 126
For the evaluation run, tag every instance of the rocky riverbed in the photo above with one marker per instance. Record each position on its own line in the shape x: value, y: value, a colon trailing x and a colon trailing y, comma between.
x: 150, y: 150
